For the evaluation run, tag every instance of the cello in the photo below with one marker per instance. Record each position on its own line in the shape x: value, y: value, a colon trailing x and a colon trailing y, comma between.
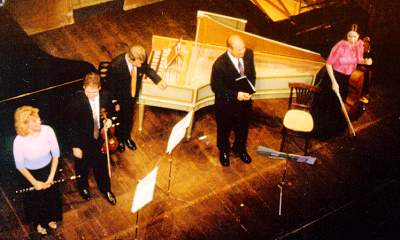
x: 357, y: 99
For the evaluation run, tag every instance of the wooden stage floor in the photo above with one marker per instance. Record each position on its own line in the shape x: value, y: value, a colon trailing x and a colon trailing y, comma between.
x: 352, y: 192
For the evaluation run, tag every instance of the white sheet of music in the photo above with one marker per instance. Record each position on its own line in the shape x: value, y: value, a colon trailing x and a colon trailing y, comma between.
x: 145, y: 190
x: 178, y: 132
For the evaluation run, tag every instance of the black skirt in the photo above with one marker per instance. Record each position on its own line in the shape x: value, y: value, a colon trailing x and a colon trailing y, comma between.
x: 327, y: 111
x: 43, y: 206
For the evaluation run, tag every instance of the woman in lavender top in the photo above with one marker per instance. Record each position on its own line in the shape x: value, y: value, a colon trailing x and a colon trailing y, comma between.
x: 36, y: 154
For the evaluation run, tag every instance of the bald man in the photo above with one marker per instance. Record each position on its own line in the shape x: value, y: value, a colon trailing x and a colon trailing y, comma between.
x: 232, y: 106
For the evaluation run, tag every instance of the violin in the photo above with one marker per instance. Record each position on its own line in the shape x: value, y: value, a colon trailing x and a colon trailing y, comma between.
x: 111, y: 143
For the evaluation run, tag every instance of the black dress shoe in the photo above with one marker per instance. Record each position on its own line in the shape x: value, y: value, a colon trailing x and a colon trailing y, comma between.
x: 224, y: 158
x: 245, y: 157
x: 121, y: 147
x: 111, y: 198
x: 130, y: 144
x: 85, y: 194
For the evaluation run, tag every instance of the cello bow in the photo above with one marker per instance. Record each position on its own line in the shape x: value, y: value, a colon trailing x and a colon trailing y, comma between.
x: 346, y: 115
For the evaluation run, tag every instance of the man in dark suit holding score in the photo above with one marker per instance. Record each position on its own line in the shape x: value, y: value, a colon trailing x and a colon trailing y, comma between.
x: 233, y: 104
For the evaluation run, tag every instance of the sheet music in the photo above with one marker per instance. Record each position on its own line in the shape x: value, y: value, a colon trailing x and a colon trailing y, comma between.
x: 282, y: 155
x: 178, y: 132
x: 244, y: 78
x: 145, y: 190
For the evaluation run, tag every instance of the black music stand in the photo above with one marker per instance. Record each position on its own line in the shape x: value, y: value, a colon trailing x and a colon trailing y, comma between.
x: 284, y: 156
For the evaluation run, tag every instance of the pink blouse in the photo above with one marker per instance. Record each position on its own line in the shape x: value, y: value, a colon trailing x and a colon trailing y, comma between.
x: 344, y: 58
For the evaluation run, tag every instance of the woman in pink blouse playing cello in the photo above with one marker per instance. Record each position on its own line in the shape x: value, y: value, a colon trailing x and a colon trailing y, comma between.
x: 343, y: 60
x: 341, y: 63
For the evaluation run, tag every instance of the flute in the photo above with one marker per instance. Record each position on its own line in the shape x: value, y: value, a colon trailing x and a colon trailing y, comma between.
x: 29, y: 189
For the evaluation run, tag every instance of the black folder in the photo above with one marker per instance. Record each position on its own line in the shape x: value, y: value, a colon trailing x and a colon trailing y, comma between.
x: 243, y: 84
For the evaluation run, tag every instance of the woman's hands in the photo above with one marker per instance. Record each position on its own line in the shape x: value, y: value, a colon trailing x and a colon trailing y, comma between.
x: 49, y: 182
x: 368, y: 61
x: 335, y: 85
x: 39, y: 185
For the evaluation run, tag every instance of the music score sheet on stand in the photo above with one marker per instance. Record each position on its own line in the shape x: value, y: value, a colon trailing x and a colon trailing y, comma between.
x: 178, y: 132
x: 145, y: 190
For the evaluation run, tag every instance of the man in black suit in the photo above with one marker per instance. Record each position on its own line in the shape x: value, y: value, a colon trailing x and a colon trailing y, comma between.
x: 85, y: 122
x: 232, y: 105
x: 125, y: 81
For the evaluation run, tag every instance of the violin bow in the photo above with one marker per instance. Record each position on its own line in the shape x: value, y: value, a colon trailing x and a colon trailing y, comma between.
x: 107, y: 148
x: 346, y: 115
x: 30, y: 189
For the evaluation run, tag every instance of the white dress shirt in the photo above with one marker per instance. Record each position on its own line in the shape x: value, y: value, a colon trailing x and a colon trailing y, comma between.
x: 95, y: 105
x: 235, y: 61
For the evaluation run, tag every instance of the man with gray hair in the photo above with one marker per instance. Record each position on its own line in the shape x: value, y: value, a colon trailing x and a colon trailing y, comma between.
x: 125, y: 81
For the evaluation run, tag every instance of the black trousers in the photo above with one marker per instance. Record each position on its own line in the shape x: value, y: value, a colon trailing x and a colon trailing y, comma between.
x: 43, y: 206
x: 234, y: 117
x: 93, y: 159
x: 126, y: 118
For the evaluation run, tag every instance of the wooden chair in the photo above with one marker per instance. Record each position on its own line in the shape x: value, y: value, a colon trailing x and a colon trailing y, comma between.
x: 298, y: 121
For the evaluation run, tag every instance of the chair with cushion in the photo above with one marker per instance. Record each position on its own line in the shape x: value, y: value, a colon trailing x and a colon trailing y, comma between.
x: 298, y: 121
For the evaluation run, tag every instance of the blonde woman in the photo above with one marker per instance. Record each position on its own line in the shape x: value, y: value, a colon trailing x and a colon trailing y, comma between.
x: 36, y: 153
